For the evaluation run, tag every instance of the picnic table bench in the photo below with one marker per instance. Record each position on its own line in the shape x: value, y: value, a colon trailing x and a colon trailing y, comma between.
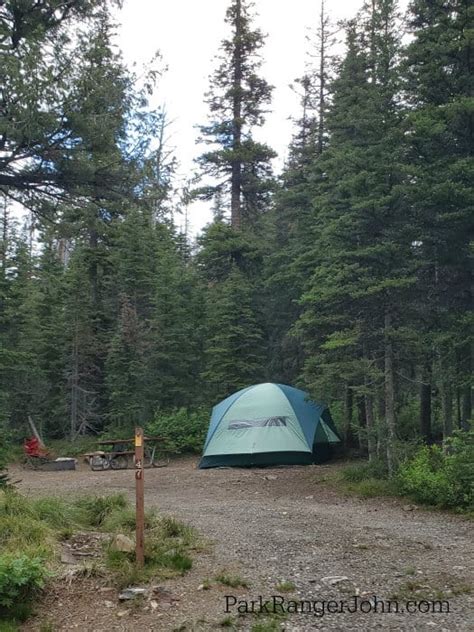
x: 118, y: 454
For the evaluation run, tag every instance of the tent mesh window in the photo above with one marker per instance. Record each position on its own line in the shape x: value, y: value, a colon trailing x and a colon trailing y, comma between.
x: 237, y: 424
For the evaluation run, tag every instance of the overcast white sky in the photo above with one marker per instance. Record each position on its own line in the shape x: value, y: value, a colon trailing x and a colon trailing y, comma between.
x: 188, y: 34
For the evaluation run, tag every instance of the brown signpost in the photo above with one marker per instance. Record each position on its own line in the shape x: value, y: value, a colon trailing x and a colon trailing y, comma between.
x: 140, y: 497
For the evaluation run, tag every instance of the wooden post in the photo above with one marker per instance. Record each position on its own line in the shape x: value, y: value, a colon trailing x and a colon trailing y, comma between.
x: 140, y: 497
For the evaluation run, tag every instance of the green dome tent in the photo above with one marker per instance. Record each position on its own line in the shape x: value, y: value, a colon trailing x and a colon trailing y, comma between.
x: 268, y: 424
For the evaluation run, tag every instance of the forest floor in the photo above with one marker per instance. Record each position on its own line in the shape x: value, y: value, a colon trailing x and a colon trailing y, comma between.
x: 274, y: 529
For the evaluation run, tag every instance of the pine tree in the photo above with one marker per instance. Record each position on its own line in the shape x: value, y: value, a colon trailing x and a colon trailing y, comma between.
x: 363, y: 275
x: 51, y: 349
x: 97, y: 116
x: 23, y: 339
x: 85, y: 349
x: 439, y: 85
x: 233, y: 347
x: 154, y: 358
x: 38, y: 89
x: 229, y: 263
x: 126, y: 370
x: 238, y: 165
x: 291, y: 218
x: 175, y: 358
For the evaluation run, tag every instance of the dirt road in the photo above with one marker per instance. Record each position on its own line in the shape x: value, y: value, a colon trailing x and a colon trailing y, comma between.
x: 270, y: 526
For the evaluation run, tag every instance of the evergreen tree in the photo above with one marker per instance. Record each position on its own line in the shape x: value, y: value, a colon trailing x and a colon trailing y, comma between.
x: 291, y: 218
x: 126, y: 370
x: 222, y: 249
x: 175, y: 358
x: 238, y: 165
x: 97, y: 117
x: 85, y: 350
x: 233, y: 346
x: 21, y: 374
x: 229, y: 263
x: 154, y: 359
x: 439, y: 87
x: 38, y: 89
x: 363, y: 252
x: 51, y: 350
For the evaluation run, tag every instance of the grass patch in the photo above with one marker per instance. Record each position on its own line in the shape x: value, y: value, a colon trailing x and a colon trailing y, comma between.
x: 461, y: 589
x: 234, y: 581
x: 415, y: 589
x: 269, y: 625
x: 8, y: 626
x: 31, y: 532
x: 270, y: 618
x: 367, y: 479
x: 167, y: 546
x: 285, y: 586
x: 369, y: 488
x: 412, y: 588
x: 97, y: 509
x: 361, y: 471
x: 59, y: 514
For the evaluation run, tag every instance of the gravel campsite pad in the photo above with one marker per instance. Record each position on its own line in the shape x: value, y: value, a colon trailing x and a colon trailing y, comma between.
x: 274, y: 531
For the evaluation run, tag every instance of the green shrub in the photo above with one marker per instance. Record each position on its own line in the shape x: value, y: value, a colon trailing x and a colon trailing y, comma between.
x: 442, y: 478
x: 184, y: 430
x: 21, y: 577
x: 76, y: 448
x: 363, y: 471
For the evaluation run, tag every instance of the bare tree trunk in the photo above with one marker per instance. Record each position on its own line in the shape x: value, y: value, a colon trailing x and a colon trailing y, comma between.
x: 466, y: 391
x: 380, y: 426
x: 389, y: 395
x: 466, y: 407
x: 4, y: 235
x: 362, y: 419
x: 93, y: 268
x: 74, y: 385
x: 348, y: 408
x: 236, y: 178
x: 425, y: 404
x: 369, y: 416
x: 446, y: 390
x: 323, y: 23
x: 447, y: 407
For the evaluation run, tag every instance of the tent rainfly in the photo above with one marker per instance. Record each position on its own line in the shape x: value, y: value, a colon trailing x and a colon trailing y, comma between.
x: 268, y: 424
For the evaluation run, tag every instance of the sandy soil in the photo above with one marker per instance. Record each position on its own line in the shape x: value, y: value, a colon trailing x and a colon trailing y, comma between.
x: 273, y: 525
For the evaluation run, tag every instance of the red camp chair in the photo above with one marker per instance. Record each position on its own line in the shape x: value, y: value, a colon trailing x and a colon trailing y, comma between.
x: 35, y: 454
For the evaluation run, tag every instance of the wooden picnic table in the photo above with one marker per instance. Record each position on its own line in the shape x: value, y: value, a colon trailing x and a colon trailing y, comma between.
x: 120, y: 458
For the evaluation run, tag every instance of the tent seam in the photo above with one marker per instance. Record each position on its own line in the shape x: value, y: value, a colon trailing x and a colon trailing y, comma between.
x: 291, y: 406
x: 222, y: 416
